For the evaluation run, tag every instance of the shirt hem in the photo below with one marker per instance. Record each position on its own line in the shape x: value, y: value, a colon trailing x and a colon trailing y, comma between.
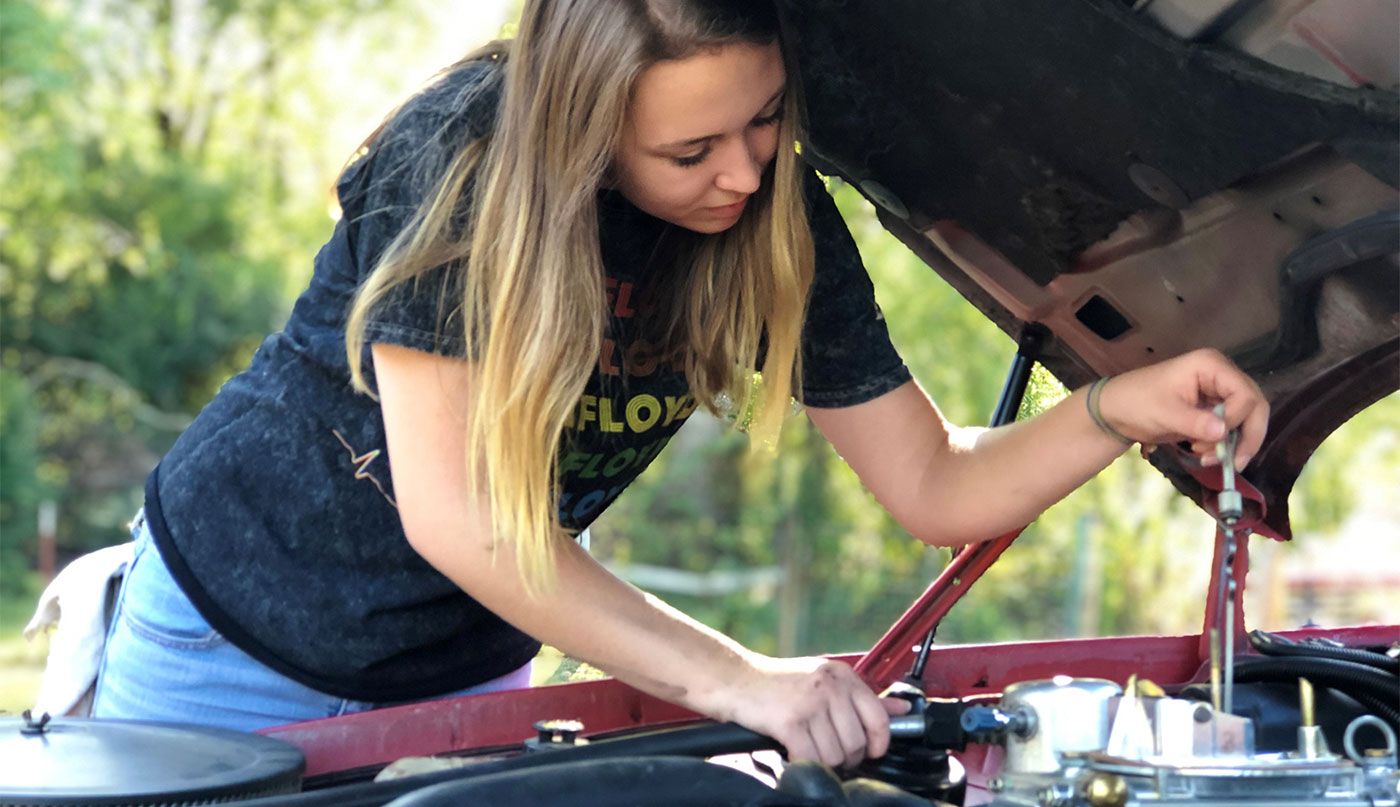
x: 415, y: 339
x: 867, y: 390
x: 222, y: 622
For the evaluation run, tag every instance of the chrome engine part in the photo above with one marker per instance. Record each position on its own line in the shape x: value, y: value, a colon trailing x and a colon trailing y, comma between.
x: 1074, y: 742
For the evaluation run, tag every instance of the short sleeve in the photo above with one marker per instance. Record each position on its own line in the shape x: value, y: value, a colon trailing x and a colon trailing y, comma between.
x: 847, y: 356
x: 381, y: 192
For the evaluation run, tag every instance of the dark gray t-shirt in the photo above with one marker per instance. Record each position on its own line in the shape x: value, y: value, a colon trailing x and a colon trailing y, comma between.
x: 275, y: 510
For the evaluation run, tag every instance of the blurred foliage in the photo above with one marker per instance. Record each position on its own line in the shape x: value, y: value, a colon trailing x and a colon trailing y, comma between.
x: 156, y: 216
x: 166, y: 189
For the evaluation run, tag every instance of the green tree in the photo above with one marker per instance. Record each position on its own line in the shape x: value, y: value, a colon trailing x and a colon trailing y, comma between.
x: 165, y: 193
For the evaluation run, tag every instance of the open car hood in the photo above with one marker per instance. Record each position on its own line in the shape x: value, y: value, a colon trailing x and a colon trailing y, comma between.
x: 1077, y: 170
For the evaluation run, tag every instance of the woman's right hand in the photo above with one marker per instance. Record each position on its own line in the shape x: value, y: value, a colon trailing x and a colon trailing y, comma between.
x: 817, y: 708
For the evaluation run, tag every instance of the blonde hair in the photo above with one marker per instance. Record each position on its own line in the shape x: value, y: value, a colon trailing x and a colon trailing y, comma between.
x: 533, y: 298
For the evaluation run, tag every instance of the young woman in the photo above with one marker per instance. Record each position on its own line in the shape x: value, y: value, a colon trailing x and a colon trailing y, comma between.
x: 547, y: 260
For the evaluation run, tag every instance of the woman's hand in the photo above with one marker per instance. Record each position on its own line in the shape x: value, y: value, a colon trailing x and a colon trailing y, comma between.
x: 1172, y: 402
x: 817, y: 708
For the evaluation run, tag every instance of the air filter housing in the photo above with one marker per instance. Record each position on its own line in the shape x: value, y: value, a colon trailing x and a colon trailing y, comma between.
x: 76, y: 761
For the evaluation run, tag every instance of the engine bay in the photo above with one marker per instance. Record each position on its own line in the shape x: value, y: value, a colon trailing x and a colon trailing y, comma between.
x: 1313, y: 722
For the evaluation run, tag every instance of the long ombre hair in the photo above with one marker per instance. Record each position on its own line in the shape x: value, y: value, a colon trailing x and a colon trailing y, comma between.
x: 533, y: 300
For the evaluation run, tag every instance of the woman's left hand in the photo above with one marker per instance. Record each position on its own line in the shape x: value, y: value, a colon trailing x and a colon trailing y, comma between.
x: 1173, y: 402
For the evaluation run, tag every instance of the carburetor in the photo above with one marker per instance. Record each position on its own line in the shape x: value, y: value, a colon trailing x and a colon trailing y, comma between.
x: 1072, y: 742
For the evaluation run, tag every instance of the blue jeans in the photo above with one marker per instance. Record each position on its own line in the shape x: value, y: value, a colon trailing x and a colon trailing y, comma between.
x: 163, y: 662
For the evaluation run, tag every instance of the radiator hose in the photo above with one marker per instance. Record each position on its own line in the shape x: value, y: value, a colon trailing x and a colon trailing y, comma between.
x: 1274, y: 645
x: 1377, y: 691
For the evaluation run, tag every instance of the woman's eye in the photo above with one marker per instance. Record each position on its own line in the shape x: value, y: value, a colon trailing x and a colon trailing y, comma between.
x: 699, y: 157
x: 692, y: 159
x: 768, y: 120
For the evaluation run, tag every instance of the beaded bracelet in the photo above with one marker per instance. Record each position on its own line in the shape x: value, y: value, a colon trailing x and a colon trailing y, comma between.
x: 1092, y: 403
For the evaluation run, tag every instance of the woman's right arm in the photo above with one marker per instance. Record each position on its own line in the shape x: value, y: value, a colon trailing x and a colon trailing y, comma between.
x: 817, y: 708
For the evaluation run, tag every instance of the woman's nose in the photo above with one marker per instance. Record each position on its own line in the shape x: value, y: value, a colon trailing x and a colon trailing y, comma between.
x: 739, y: 169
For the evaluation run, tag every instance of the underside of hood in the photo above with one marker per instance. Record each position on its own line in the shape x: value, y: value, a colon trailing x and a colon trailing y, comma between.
x: 1078, y: 167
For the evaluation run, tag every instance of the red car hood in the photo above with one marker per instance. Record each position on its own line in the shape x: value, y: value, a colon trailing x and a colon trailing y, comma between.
x: 1077, y: 167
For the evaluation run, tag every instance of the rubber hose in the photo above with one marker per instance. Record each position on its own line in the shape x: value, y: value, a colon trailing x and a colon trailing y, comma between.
x: 1380, y: 708
x: 615, y: 782
x: 1356, y: 680
x: 1273, y: 645
x: 702, y: 740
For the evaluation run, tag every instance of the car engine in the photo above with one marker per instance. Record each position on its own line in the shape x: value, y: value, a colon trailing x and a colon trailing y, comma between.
x: 1077, y: 741
x: 1312, y: 723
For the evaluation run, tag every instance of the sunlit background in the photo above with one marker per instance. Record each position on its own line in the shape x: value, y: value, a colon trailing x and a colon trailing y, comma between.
x: 168, y: 165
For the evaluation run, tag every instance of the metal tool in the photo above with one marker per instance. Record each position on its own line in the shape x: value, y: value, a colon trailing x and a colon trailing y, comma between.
x: 1230, y: 509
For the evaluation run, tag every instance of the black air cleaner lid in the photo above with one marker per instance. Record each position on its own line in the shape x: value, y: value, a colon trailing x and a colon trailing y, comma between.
x: 127, y: 762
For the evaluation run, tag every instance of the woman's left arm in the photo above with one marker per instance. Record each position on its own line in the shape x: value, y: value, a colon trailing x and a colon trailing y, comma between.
x: 950, y: 486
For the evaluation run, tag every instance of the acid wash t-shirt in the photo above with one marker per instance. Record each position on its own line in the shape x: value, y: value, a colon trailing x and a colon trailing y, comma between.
x: 275, y: 510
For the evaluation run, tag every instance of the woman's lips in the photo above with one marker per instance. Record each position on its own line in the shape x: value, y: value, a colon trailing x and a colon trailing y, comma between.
x: 726, y: 211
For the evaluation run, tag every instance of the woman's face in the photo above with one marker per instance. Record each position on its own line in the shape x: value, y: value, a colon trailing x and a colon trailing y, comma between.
x: 700, y: 133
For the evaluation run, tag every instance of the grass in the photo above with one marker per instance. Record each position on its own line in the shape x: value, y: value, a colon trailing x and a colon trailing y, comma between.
x: 21, y: 665
x: 21, y: 662
x: 553, y: 667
